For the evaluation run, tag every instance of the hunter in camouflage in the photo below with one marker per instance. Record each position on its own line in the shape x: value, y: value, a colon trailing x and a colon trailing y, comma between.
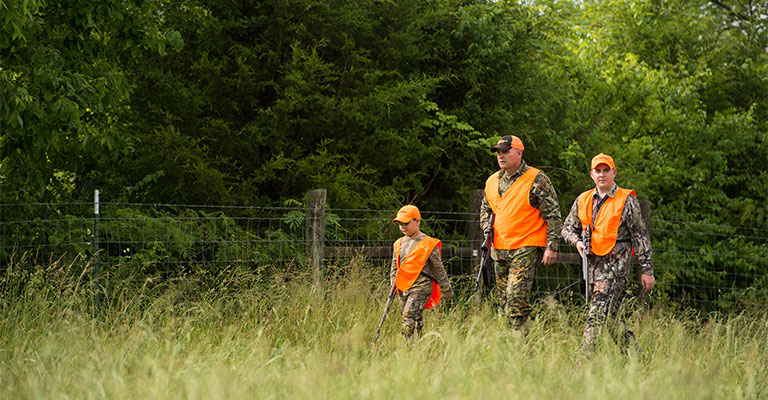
x: 515, y: 261
x: 609, y: 273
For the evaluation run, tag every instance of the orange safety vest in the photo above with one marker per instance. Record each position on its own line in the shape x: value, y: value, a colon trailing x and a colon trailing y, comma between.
x: 517, y: 223
x: 606, y: 226
x: 414, y: 262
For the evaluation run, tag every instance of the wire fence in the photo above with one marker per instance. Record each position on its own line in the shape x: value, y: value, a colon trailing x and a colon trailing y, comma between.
x: 707, y: 267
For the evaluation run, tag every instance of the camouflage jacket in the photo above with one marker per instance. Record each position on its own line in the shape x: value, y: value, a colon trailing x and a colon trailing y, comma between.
x: 542, y: 197
x: 632, y: 234
x: 433, y: 267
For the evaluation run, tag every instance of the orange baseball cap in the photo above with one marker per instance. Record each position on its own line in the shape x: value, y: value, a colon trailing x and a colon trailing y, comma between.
x: 507, y: 142
x: 407, y: 213
x: 602, y: 159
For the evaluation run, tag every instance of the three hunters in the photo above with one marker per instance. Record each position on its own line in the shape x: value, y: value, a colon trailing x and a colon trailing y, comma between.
x: 604, y: 224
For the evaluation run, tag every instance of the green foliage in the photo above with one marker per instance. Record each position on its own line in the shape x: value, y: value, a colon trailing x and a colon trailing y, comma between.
x: 61, y: 85
x: 376, y: 102
x: 171, y: 244
x: 646, y: 72
x: 382, y: 104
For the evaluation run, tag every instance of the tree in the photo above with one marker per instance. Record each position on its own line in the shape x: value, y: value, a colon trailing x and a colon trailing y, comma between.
x: 62, y: 84
x: 381, y: 103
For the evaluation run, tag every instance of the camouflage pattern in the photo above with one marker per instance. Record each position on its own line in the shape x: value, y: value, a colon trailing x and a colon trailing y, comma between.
x: 609, y: 274
x: 412, y: 309
x: 514, y: 278
x: 414, y: 299
x: 632, y: 234
x: 542, y: 197
x: 606, y: 299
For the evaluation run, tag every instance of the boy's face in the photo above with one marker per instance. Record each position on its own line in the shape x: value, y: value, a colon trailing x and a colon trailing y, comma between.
x: 409, y: 228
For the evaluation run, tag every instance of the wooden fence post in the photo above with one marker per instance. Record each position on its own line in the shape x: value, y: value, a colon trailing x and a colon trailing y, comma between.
x: 315, y: 233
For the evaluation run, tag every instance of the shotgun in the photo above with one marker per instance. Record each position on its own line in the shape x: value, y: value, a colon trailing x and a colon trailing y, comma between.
x: 390, y: 299
x: 587, y: 239
x: 486, y: 248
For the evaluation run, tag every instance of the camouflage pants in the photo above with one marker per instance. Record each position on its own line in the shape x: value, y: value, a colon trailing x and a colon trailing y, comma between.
x: 412, y: 307
x: 605, y: 296
x: 514, y: 278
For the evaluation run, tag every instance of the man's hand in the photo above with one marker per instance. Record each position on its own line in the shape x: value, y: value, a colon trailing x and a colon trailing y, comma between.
x: 550, y: 256
x: 580, y: 247
x: 448, y: 296
x: 648, y: 281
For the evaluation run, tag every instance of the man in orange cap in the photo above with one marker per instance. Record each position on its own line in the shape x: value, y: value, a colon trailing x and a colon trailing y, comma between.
x: 417, y: 271
x: 525, y: 230
x: 606, y: 224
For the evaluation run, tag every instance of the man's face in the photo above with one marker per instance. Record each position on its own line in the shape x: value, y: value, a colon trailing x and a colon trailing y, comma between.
x: 409, y: 228
x: 603, y: 175
x: 509, y: 160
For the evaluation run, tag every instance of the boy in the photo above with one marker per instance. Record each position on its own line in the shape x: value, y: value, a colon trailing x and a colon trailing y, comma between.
x: 417, y: 270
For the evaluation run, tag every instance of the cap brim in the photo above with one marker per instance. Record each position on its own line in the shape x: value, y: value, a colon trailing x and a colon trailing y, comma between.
x: 401, y: 220
x: 601, y: 163
x: 502, y: 148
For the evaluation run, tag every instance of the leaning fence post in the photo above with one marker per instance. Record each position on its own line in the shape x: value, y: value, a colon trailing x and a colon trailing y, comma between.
x: 96, y: 286
x: 315, y: 233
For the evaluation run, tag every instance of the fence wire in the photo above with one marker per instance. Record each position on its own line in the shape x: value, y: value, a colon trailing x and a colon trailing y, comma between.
x: 709, y: 267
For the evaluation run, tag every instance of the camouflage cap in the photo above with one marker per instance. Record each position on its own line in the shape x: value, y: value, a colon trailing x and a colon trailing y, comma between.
x: 507, y: 142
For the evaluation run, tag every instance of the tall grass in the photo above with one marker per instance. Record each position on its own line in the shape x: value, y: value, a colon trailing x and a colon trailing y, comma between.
x: 269, y: 335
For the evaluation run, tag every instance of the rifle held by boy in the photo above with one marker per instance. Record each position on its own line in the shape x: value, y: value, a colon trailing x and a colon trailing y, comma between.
x: 390, y: 299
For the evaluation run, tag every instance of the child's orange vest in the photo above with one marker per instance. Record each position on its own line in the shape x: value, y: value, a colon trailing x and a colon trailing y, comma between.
x: 414, y: 262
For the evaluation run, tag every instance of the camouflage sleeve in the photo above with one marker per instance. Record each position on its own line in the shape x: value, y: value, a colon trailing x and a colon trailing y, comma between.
x: 641, y: 239
x: 571, y: 231
x: 544, y: 198
x: 485, y: 214
x: 438, y: 272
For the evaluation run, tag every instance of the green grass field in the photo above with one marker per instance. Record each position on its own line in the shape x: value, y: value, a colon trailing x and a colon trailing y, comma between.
x: 271, y: 336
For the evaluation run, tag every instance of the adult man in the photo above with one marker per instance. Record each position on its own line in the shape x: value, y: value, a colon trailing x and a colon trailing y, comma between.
x: 525, y: 230
x: 605, y: 222
x: 417, y: 270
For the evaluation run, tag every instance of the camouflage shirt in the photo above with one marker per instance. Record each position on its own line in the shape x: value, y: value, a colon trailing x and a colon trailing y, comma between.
x: 433, y: 267
x: 542, y: 197
x: 632, y: 234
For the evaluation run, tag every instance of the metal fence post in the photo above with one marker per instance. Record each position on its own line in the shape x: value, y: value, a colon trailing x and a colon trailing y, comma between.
x: 315, y: 233
x: 96, y: 286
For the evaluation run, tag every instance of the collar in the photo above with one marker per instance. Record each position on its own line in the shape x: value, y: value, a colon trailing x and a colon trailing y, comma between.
x: 611, y: 193
x: 521, y: 170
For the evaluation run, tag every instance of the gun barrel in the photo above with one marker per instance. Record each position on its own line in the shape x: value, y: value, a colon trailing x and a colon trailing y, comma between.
x: 486, y: 248
x: 585, y: 274
x: 390, y: 298
x: 587, y: 240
